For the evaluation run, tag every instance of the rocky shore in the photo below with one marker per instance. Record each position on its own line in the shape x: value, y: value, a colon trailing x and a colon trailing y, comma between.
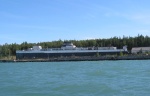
x: 87, y: 58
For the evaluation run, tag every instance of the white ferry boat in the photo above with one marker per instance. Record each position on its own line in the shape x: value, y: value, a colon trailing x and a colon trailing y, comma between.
x: 66, y: 50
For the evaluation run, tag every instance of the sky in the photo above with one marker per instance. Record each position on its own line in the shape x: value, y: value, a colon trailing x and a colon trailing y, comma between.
x: 36, y: 21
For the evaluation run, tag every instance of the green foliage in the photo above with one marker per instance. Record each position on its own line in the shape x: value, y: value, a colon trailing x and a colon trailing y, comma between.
x: 147, y: 53
x: 97, y: 54
x: 121, y: 54
x: 138, y: 41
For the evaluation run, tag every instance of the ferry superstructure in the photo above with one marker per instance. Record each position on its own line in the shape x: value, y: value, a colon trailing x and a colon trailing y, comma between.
x: 66, y: 50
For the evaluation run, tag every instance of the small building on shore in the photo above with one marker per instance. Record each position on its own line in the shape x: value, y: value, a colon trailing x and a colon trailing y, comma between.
x: 136, y: 50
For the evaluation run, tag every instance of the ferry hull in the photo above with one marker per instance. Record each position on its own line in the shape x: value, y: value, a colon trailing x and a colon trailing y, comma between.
x: 52, y: 55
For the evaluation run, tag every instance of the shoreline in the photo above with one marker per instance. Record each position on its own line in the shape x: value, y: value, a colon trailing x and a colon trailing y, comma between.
x: 100, y: 58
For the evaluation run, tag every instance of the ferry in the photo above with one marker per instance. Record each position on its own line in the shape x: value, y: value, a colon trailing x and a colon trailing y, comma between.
x: 66, y: 50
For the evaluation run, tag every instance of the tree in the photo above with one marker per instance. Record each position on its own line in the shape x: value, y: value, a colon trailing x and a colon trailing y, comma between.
x: 121, y: 54
x: 137, y: 41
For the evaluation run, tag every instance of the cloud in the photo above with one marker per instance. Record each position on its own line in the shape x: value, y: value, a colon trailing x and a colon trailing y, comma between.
x: 5, y: 38
x: 141, y: 17
x: 89, y: 38
x: 144, y: 31
x: 11, y: 15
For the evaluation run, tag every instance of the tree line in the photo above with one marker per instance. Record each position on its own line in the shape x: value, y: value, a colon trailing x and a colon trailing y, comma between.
x: 119, y: 42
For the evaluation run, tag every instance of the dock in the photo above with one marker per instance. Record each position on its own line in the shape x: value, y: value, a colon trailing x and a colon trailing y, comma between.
x: 87, y: 58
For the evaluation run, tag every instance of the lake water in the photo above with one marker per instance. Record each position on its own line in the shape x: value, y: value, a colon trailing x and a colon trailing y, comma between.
x: 86, y: 78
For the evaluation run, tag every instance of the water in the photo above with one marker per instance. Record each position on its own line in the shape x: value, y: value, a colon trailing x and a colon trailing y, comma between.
x: 88, y: 78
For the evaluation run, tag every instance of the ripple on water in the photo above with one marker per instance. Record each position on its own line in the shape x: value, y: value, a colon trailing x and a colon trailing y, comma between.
x: 89, y: 78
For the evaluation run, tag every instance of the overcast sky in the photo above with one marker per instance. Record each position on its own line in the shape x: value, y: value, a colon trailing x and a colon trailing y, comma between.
x: 47, y: 20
